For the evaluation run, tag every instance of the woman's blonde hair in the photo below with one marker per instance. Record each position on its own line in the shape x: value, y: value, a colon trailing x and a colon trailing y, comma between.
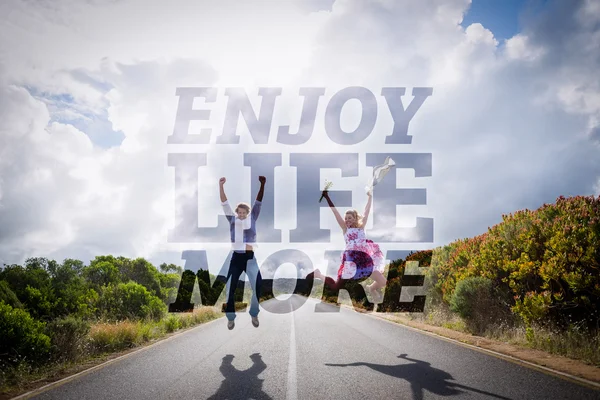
x: 245, y: 206
x: 357, y: 217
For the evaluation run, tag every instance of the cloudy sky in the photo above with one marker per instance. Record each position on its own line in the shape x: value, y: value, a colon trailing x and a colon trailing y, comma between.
x: 88, y: 100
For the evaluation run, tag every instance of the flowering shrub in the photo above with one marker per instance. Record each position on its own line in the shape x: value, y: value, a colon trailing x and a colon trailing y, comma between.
x: 549, y: 259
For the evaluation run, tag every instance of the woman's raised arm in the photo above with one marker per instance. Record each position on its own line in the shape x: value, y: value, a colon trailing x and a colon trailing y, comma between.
x: 338, y: 217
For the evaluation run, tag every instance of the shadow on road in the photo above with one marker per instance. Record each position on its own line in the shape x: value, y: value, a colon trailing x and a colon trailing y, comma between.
x: 421, y: 376
x: 241, y: 385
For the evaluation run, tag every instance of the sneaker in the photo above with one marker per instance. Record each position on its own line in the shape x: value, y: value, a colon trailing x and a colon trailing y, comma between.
x: 230, y: 324
x: 255, y: 322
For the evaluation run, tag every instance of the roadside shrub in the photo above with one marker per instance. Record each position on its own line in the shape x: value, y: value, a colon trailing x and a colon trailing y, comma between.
x: 477, y: 302
x: 435, y: 275
x: 464, y: 301
x: 533, y: 308
x: 547, y: 259
x: 172, y: 323
x: 130, y: 300
x: 22, y: 337
x: 69, y: 338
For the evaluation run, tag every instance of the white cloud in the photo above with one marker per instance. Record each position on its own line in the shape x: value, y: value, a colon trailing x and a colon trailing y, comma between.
x: 508, y: 127
x: 518, y: 48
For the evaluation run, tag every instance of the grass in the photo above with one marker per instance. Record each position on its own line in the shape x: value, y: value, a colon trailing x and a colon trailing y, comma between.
x: 574, y: 343
x: 441, y: 316
x: 103, y: 340
x: 127, y: 334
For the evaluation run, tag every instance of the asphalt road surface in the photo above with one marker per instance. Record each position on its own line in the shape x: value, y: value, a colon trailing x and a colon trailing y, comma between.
x: 305, y: 354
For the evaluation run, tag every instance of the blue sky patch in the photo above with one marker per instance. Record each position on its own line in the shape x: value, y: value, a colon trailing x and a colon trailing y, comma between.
x: 502, y: 17
x: 64, y: 109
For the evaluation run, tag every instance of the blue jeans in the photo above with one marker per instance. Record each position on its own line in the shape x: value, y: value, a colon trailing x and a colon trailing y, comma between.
x: 242, y: 262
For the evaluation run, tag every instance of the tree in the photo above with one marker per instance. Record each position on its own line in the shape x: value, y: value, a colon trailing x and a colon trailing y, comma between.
x: 168, y: 268
x: 8, y: 296
x: 102, y: 273
x: 32, y: 286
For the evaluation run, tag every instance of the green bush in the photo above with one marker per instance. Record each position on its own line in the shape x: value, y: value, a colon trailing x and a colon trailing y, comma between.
x: 130, y: 301
x: 467, y: 294
x: 172, y: 323
x: 534, y: 307
x: 155, y: 309
x: 435, y: 276
x: 478, y: 304
x: 69, y: 338
x: 22, y: 337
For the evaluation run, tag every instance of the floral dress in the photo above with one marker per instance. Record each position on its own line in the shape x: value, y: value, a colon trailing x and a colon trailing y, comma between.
x: 361, y: 257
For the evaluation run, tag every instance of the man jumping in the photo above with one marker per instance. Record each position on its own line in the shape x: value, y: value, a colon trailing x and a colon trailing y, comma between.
x: 243, y: 238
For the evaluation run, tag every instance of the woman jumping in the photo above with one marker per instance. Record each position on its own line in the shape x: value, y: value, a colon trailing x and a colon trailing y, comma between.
x: 361, y: 256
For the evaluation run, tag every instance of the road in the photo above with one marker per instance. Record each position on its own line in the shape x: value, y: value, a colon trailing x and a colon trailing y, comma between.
x: 313, y: 355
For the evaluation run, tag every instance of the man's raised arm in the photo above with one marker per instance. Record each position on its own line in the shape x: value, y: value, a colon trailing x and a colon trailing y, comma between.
x: 259, y: 197
x: 226, y: 207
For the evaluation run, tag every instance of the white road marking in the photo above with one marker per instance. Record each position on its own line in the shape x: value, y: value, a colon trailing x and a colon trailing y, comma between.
x: 292, y: 388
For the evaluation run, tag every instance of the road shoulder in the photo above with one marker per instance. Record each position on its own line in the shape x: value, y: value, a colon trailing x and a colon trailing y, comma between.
x: 557, y: 363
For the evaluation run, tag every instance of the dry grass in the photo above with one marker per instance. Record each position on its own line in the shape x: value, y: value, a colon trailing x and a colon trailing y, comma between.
x: 107, y: 337
x: 441, y: 316
x: 186, y: 320
x: 126, y: 334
